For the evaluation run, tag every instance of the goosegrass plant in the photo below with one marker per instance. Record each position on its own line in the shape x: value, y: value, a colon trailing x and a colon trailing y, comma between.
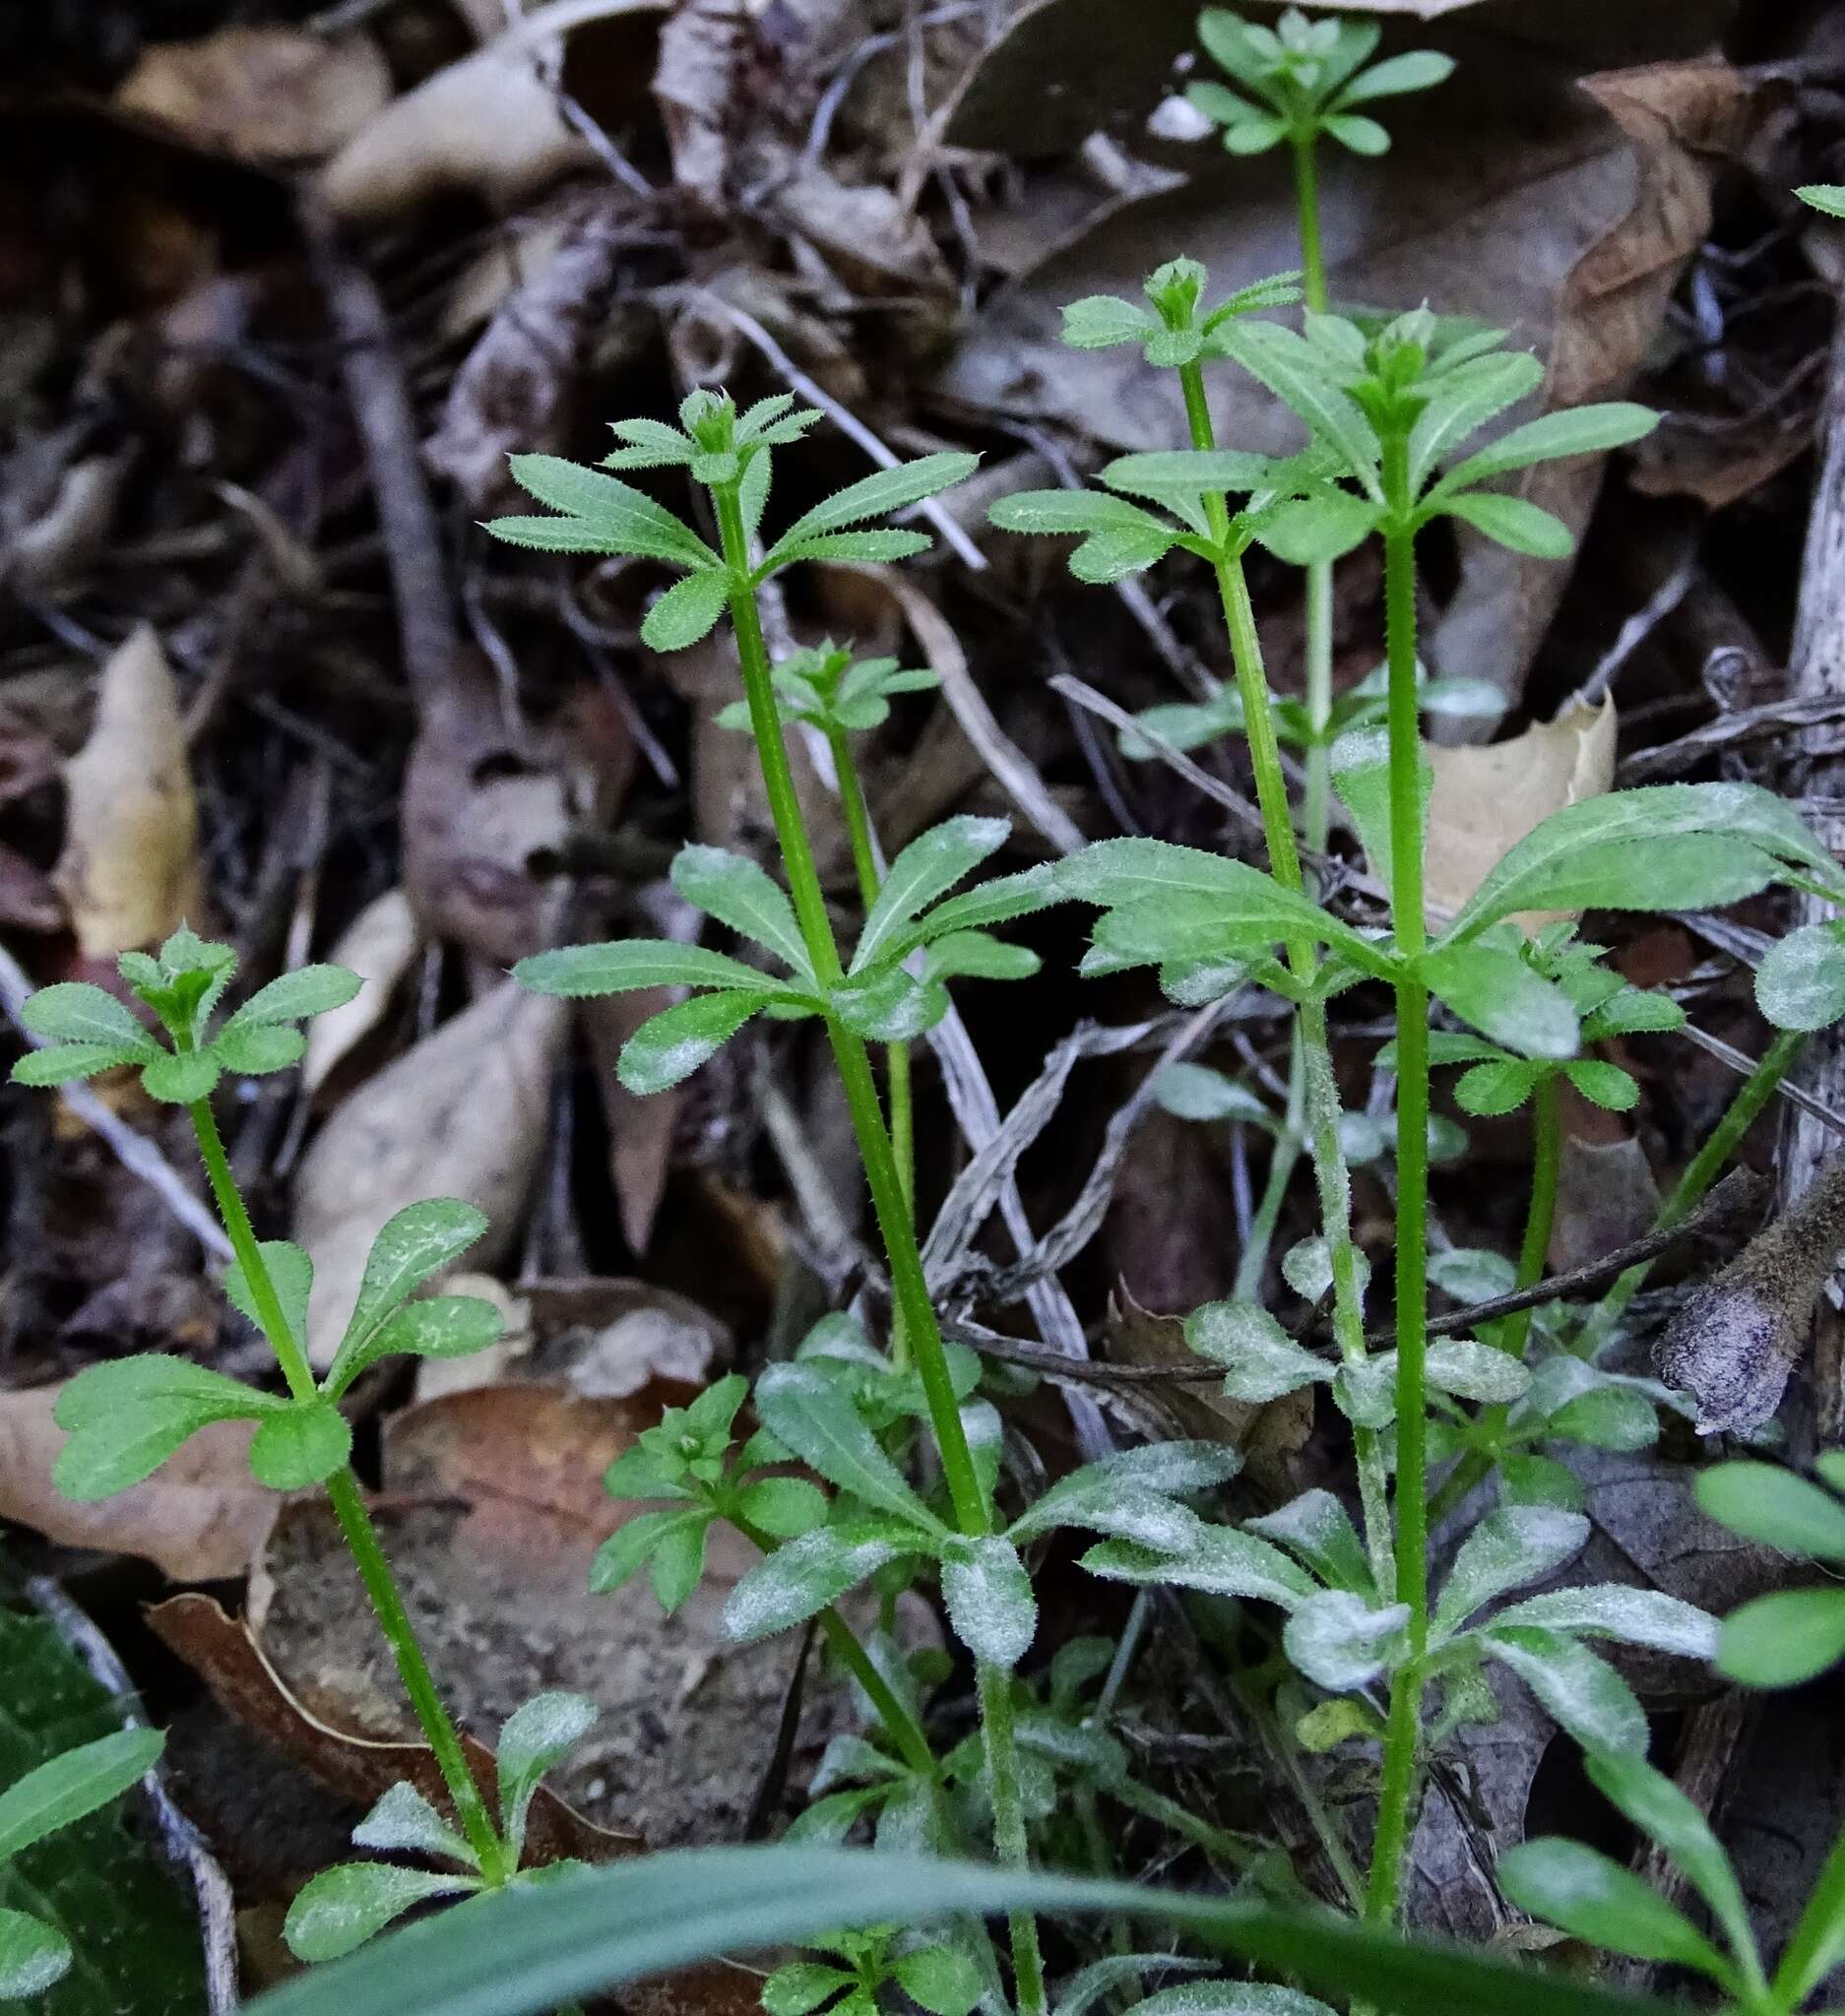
x: 124, y: 1418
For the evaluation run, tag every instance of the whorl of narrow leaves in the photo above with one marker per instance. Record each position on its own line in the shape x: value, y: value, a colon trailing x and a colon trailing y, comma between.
x: 1302, y: 78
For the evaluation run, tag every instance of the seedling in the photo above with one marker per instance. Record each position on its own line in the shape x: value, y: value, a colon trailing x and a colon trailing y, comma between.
x: 336, y: 1912
x: 34, y: 1955
x: 1790, y: 1636
x: 863, y: 1968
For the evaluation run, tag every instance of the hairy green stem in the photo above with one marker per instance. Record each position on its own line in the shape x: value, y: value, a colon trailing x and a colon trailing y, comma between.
x: 896, y: 1055
x: 1397, y: 1793
x: 1001, y: 1741
x: 1321, y: 1088
x: 1315, y: 806
x: 348, y: 1505
x: 909, y: 1285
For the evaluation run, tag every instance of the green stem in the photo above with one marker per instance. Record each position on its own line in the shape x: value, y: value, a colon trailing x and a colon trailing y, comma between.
x: 1396, y: 1796
x: 896, y: 1055
x: 348, y: 1505
x: 1238, y: 1851
x: 1009, y: 1838
x: 1700, y: 1172
x: 909, y: 1285
x: 1547, y: 1131
x: 1321, y: 1094
x: 1316, y: 804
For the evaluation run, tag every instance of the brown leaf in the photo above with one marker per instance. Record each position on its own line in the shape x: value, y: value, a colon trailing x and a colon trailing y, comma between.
x: 1485, y: 800
x: 460, y: 1114
x: 1606, y: 1197
x: 490, y: 124
x: 262, y: 95
x: 702, y: 50
x: 380, y: 945
x: 227, y: 1656
x: 607, y: 1338
x: 641, y: 1128
x: 202, y: 1517
x: 129, y: 872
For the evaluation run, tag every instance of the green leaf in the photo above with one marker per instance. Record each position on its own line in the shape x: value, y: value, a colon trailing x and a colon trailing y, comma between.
x: 125, y: 1417
x: 1584, y: 1893
x: 631, y: 1543
x: 535, y: 1738
x: 1508, y: 1549
x: 1763, y: 1501
x: 977, y: 956
x: 996, y: 902
x: 1513, y: 522
x: 412, y: 1246
x: 1574, y: 430
x: 1614, y: 851
x: 742, y: 895
x: 618, y: 517
x: 1583, y: 1695
x: 1785, y: 1639
x: 1288, y: 365
x: 1474, y: 1371
x: 524, y: 1952
x: 804, y: 1575
x: 290, y: 1275
x: 676, y: 1564
x: 298, y: 996
x: 878, y: 548
x: 1222, y: 107
x: 1461, y: 401
x: 403, y: 1819
x: 336, y: 1912
x: 1160, y: 1471
x: 33, y: 1955
x: 802, y: 1985
x: 75, y: 1783
x: 810, y: 1415
x: 1261, y: 1361
x: 1195, y: 1091
x: 1489, y: 1090
x: 1604, y: 1084
x: 687, y: 611
x: 624, y: 964
x: 1312, y: 532
x: 1100, y: 321
x: 1340, y: 1641
x: 1231, y: 44
x: 989, y: 1599
x: 1662, y: 1813
x: 254, y: 1049
x: 1612, y: 1609
x: 1363, y: 135
x: 940, y: 1980
x: 782, y: 1507
x: 1255, y: 134
x: 75, y: 1012
x: 60, y: 1063
x: 1414, y: 70
x: 181, y: 1079
x: 1800, y: 981
x: 890, y: 1005
x: 1175, y: 477
x: 876, y: 496
x: 1220, y: 1561
x: 672, y: 1045
x: 925, y: 871
x: 1829, y: 197
x: 432, y: 1327
x: 301, y: 1444
x: 1317, y: 1529
x: 1501, y: 996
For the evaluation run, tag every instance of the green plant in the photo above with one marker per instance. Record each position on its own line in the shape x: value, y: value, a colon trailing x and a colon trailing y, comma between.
x: 1829, y: 197
x: 1307, y: 77
x: 861, y: 1968
x: 34, y: 1955
x: 876, y: 996
x: 126, y: 1417
x: 1788, y: 1637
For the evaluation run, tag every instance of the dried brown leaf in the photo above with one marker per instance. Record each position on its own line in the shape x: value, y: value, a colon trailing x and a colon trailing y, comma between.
x: 129, y: 872
x: 262, y: 95
x: 380, y: 945
x: 202, y: 1517
x: 460, y: 1114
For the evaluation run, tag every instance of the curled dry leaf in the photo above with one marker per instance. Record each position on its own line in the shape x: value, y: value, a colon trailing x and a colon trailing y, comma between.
x: 608, y: 1338
x: 460, y: 1114
x: 380, y: 945
x: 202, y: 1517
x: 641, y: 1129
x: 1607, y: 1195
x: 261, y: 94
x: 129, y: 872
x: 229, y: 1658
x: 490, y: 125
x: 1485, y: 800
